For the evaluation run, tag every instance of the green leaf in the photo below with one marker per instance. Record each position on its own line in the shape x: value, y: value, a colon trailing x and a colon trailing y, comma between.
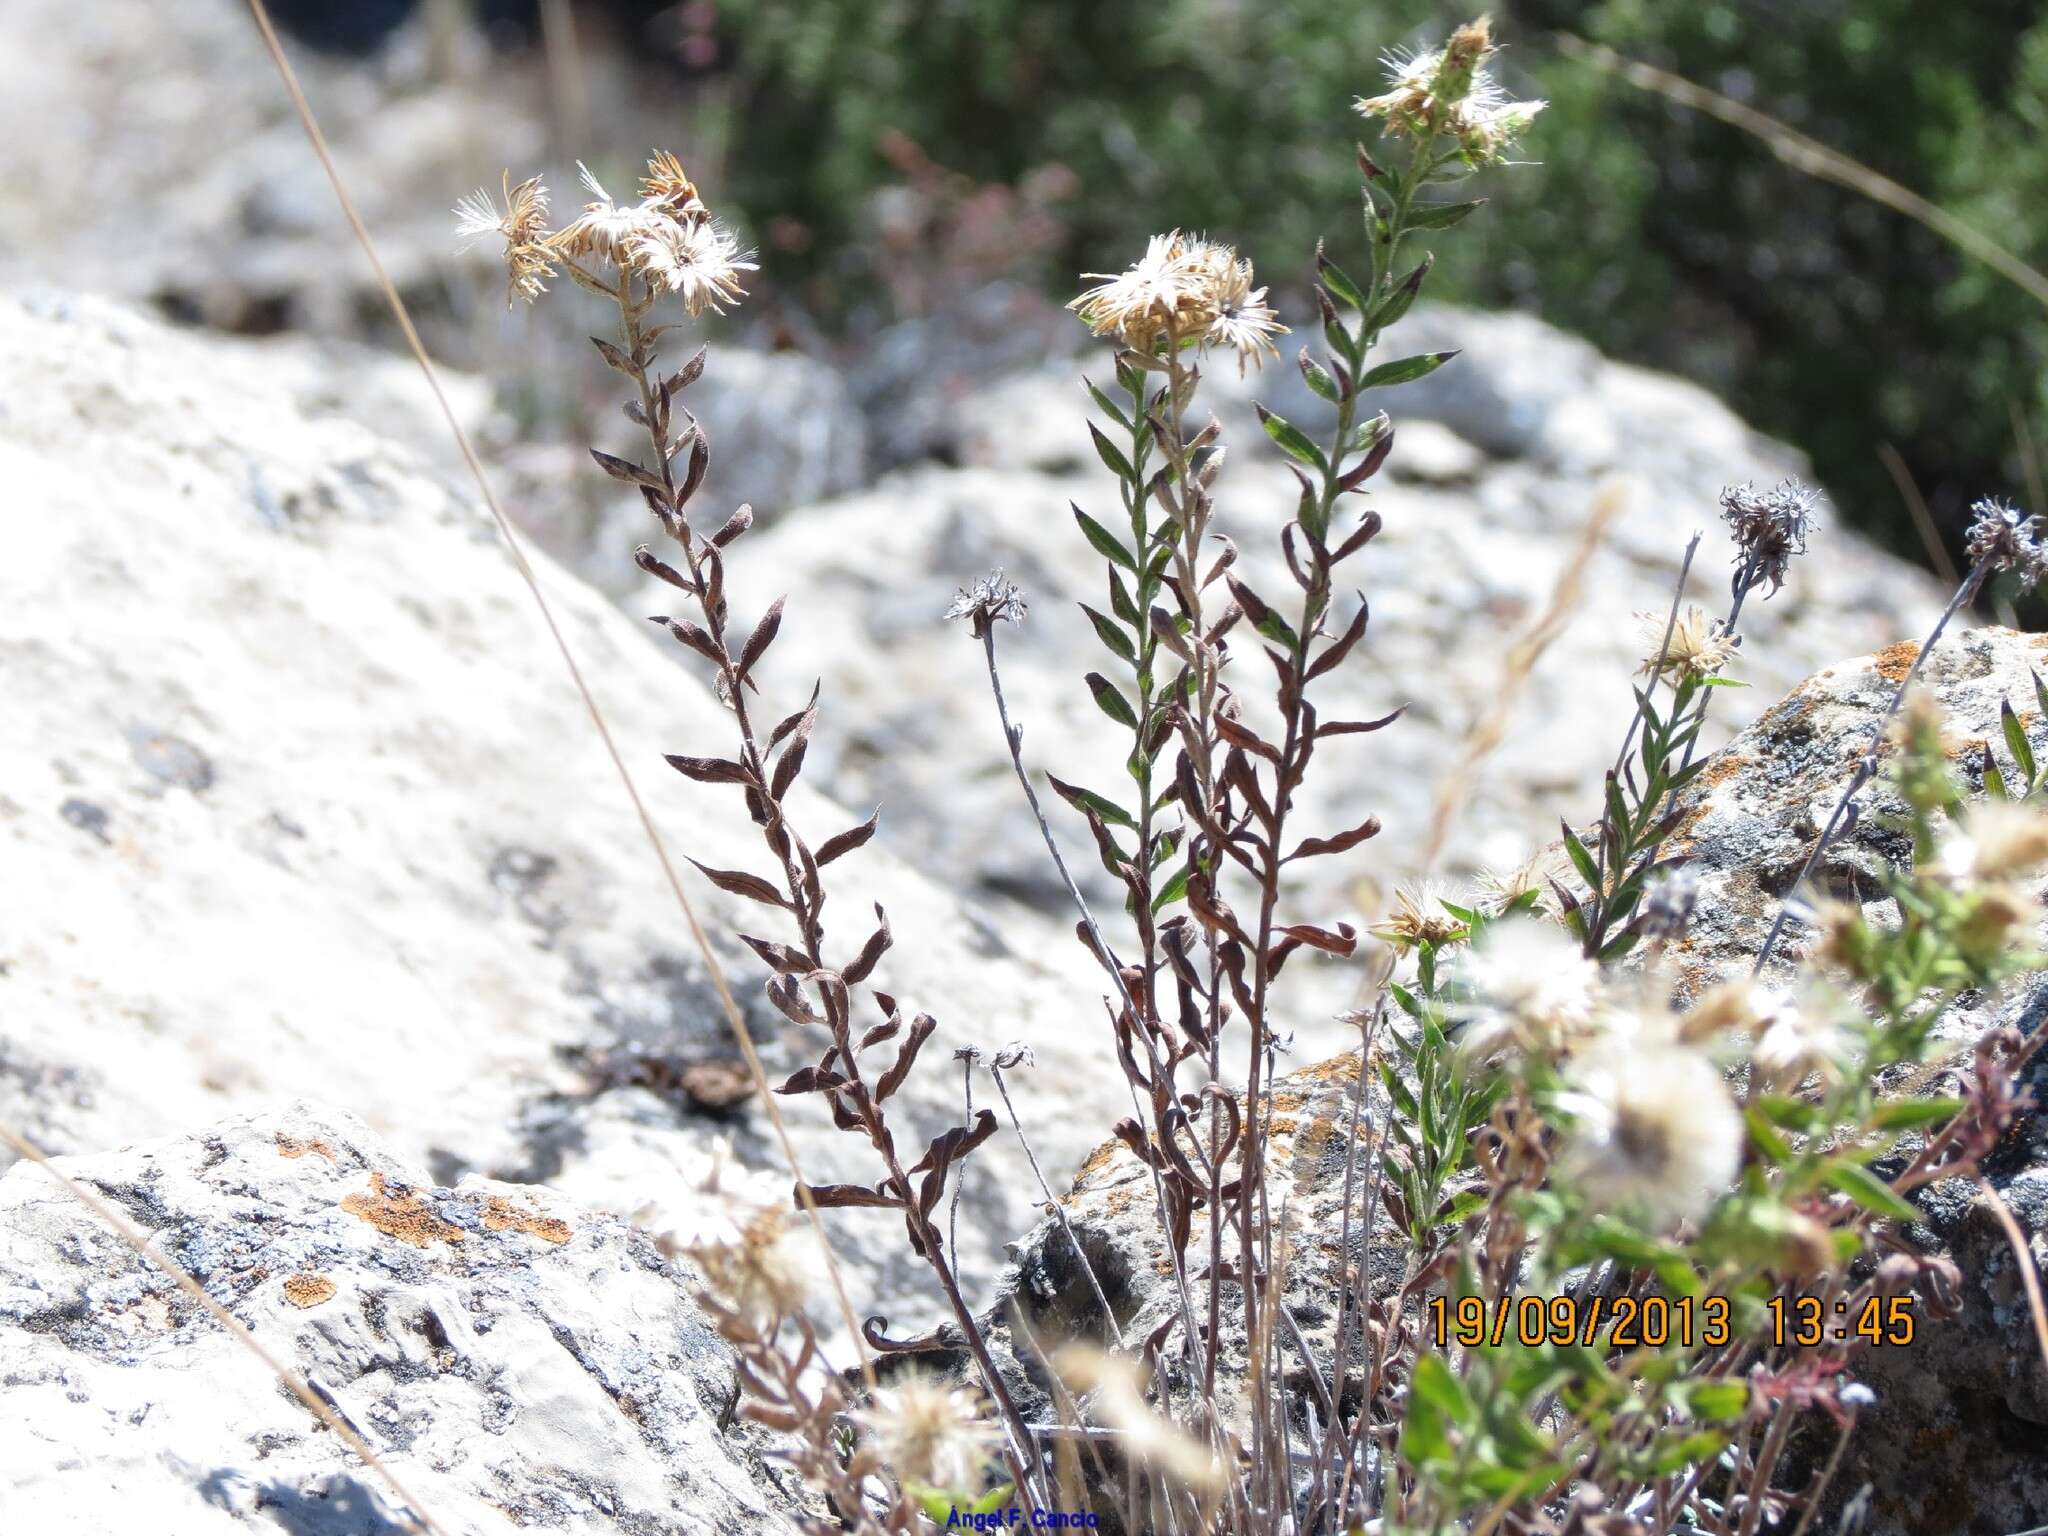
x: 1766, y: 1136
x: 1173, y: 890
x: 1406, y: 369
x: 994, y: 1499
x: 1436, y: 1402
x: 1318, y: 378
x: 1460, y: 1206
x: 1871, y: 1192
x: 1292, y: 440
x: 1582, y: 861
x: 1341, y: 287
x: 1111, y: 635
x: 1120, y: 602
x: 1107, y: 406
x: 1442, y: 215
x: 2016, y: 741
x: 1103, y: 541
x: 1401, y: 298
x: 1908, y: 1114
x: 1714, y: 1401
x: 1110, y: 455
x: 1110, y: 702
x: 1397, y: 1091
x: 1086, y: 799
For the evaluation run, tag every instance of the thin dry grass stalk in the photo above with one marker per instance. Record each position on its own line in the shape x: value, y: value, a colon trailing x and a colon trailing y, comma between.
x: 1812, y: 158
x: 1490, y: 729
x: 737, y: 1020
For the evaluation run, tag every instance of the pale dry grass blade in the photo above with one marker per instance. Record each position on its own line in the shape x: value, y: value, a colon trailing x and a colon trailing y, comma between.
x: 2030, y: 1277
x: 1812, y: 158
x: 136, y: 1239
x: 1916, y: 508
x: 741, y: 1033
x: 1490, y: 729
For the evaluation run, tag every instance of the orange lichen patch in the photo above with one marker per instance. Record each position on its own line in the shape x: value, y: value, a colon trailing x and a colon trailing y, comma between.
x: 1341, y: 1068
x: 1962, y: 749
x: 1722, y: 769
x: 1895, y: 661
x: 1099, y: 1159
x: 294, y: 1146
x: 501, y: 1215
x: 307, y: 1290
x: 404, y: 1217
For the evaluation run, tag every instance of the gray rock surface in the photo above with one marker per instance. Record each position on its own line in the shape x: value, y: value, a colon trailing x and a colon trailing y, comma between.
x: 297, y: 801
x: 516, y: 1360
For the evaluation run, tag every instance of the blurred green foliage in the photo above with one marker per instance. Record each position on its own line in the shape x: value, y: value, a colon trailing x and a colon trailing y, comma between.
x: 1659, y: 233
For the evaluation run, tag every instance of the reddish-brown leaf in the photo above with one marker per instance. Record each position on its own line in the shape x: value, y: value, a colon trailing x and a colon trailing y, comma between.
x: 709, y: 770
x: 921, y: 1029
x: 739, y: 883
x: 1315, y: 847
x: 847, y: 841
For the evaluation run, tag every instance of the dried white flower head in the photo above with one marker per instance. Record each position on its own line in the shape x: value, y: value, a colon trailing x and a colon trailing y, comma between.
x: 1694, y: 648
x: 1500, y: 889
x: 698, y: 259
x: 1193, y: 291
x: 1532, y: 989
x: 1114, y: 1386
x: 2003, y: 538
x: 1653, y: 1133
x: 763, y: 1273
x: 1450, y: 92
x: 523, y: 228
x: 1769, y: 528
x: 1419, y: 917
x: 994, y: 599
x: 604, y: 229
x: 1997, y: 840
x: 929, y: 1432
x: 1800, y: 1035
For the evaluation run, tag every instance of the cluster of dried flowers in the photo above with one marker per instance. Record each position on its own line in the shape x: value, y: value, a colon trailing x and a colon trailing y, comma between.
x: 1554, y: 1127
x: 667, y: 237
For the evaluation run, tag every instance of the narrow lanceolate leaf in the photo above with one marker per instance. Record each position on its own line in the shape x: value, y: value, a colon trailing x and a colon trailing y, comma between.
x: 734, y: 526
x: 811, y: 1080
x: 1086, y: 800
x: 1111, y: 635
x: 614, y: 356
x: 870, y: 952
x: 2016, y: 741
x: 697, y: 639
x: 1442, y: 215
x: 1871, y: 1192
x: 783, y: 959
x: 763, y: 635
x: 830, y: 1197
x: 787, y: 767
x: 1341, y: 287
x: 686, y: 375
x: 739, y: 883
x: 1314, y: 847
x: 709, y: 770
x: 1292, y: 440
x: 1339, y: 648
x: 1107, y: 406
x: 1399, y: 300
x: 1318, y: 378
x: 1342, y: 942
x: 947, y: 1148
x: 626, y: 470
x: 847, y: 841
x: 1406, y: 369
x: 1110, y: 702
x: 1102, y: 541
x: 1172, y: 891
x: 1110, y: 455
x: 921, y: 1029
x: 1353, y: 727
